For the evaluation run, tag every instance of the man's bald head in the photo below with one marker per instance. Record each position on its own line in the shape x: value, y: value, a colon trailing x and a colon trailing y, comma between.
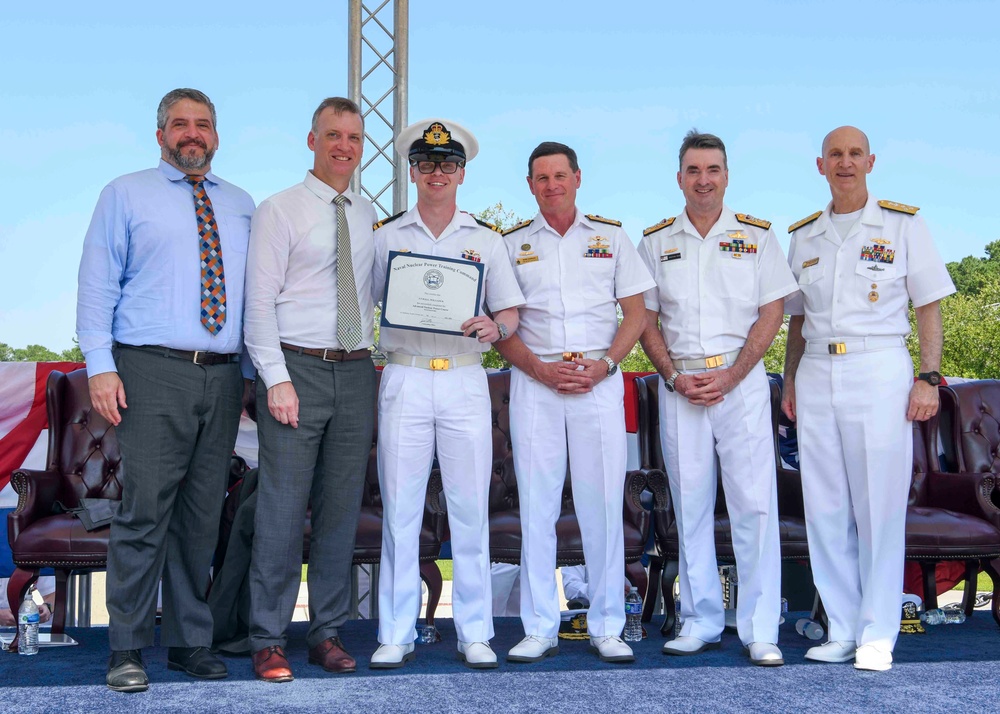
x: 847, y: 135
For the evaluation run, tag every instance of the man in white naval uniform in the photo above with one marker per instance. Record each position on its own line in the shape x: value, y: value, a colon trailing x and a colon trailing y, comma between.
x: 721, y: 283
x: 434, y: 394
x: 849, y: 386
x: 566, y: 398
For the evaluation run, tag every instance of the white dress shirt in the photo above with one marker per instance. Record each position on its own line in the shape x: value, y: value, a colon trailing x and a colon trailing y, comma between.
x: 292, y: 273
x: 708, y: 294
x: 571, y: 299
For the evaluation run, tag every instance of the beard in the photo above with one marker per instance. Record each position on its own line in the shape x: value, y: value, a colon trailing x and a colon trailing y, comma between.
x: 187, y: 162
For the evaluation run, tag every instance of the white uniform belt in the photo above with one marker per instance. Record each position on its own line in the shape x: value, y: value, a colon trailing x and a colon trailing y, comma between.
x: 570, y: 356
x: 723, y: 360
x: 848, y: 345
x: 435, y: 363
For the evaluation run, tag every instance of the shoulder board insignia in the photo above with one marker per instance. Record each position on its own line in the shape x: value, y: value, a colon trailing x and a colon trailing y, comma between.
x: 899, y: 207
x: 484, y: 224
x: 751, y: 221
x: 804, y: 222
x: 659, y: 226
x: 519, y: 226
x: 390, y: 219
x: 602, y: 219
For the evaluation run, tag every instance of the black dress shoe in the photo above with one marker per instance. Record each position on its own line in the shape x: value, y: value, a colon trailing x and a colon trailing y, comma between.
x: 196, y: 661
x: 126, y: 672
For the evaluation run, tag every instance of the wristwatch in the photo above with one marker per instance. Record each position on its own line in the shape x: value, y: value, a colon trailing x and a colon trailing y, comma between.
x: 669, y: 383
x: 502, y: 329
x: 612, y: 366
x: 932, y: 378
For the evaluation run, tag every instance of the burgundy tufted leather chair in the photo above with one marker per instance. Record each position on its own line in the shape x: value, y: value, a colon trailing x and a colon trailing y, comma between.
x: 664, y: 561
x: 505, y: 517
x: 967, y: 524
x: 83, y: 462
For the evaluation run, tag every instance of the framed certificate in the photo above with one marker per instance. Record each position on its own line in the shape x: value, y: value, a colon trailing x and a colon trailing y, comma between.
x: 430, y: 294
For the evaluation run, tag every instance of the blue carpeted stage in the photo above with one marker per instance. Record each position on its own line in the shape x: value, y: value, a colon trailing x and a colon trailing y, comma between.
x: 953, y: 668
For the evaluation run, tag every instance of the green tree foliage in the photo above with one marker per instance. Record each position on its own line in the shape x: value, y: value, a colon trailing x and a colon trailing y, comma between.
x: 502, y: 219
x: 972, y: 275
x: 39, y: 353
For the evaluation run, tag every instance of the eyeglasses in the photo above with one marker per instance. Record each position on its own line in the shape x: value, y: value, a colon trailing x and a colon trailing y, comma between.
x: 428, y: 167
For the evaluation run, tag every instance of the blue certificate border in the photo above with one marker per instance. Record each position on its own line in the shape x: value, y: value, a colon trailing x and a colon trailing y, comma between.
x: 383, y: 322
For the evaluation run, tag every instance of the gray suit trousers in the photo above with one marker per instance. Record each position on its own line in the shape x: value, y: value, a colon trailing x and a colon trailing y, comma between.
x: 176, y: 439
x: 322, y: 463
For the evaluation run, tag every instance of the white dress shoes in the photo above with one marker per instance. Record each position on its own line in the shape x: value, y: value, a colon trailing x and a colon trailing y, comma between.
x: 687, y: 645
x: 391, y: 656
x: 533, y: 649
x: 837, y: 651
x: 477, y: 655
x: 872, y: 658
x: 612, y: 649
x: 764, y: 654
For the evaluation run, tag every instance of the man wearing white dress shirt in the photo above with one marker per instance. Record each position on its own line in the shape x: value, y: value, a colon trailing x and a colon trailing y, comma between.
x: 566, y: 398
x: 309, y: 330
x: 434, y: 397
x: 160, y: 323
x: 721, y: 282
x: 849, y: 386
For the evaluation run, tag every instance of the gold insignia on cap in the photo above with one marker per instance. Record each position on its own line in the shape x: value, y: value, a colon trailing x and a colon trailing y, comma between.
x: 809, y: 263
x: 436, y: 135
x: 898, y: 207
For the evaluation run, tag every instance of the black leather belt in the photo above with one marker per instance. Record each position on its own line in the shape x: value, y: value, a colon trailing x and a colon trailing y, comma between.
x: 206, y: 359
x: 327, y: 354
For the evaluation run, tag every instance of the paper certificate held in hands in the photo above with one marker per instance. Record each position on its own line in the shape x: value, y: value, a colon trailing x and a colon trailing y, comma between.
x: 430, y: 294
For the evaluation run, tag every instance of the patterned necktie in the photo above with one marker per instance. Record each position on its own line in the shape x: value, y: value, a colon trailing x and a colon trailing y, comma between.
x: 348, y: 313
x: 213, y: 277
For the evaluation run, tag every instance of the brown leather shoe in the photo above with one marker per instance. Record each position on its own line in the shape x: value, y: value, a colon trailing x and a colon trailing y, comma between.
x: 331, y: 655
x: 271, y: 665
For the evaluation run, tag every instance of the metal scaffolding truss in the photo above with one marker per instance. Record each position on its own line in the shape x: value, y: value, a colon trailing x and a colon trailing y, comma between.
x: 378, y: 67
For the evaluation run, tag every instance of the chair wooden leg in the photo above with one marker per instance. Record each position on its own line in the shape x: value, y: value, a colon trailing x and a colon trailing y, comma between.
x: 62, y: 594
x: 670, y: 570
x: 992, y: 568
x: 971, y: 578
x: 652, y: 588
x: 930, y: 584
x: 636, y: 575
x: 431, y: 574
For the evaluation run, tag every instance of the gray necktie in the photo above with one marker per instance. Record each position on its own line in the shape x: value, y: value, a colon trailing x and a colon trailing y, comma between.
x: 348, y: 312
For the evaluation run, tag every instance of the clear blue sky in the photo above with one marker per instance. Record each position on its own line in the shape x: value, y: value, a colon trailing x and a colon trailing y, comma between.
x: 620, y: 82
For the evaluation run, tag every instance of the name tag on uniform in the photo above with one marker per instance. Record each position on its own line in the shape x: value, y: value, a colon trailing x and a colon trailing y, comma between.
x: 809, y: 263
x: 527, y: 259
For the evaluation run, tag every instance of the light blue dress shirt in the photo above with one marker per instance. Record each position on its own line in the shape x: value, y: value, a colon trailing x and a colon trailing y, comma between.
x: 140, y: 275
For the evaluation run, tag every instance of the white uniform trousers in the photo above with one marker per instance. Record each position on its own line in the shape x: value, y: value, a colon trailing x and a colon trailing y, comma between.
x: 739, y: 429
x: 856, y: 454
x: 418, y: 410
x: 588, y: 429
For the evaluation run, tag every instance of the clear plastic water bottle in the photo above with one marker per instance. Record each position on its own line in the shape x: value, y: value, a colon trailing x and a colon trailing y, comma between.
x: 933, y: 617
x: 633, y: 615
x: 809, y: 628
x: 954, y: 616
x: 27, y: 625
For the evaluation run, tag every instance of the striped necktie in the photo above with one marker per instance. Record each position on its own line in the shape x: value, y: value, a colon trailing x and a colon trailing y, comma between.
x: 213, y: 277
x: 349, y: 329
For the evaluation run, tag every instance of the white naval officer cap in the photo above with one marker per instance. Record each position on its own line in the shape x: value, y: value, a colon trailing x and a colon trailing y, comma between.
x: 436, y: 140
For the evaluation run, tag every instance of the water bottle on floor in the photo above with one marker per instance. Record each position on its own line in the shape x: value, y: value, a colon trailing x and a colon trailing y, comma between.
x: 633, y: 615
x: 809, y: 628
x: 27, y: 625
x: 954, y: 616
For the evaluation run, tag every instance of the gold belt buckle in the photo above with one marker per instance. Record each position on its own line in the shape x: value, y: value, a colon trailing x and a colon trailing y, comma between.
x: 712, y: 362
x: 837, y: 348
x: 438, y: 363
x: 570, y: 356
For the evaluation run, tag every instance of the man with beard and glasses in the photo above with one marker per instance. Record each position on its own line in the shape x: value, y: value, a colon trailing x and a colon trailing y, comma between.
x: 160, y: 323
